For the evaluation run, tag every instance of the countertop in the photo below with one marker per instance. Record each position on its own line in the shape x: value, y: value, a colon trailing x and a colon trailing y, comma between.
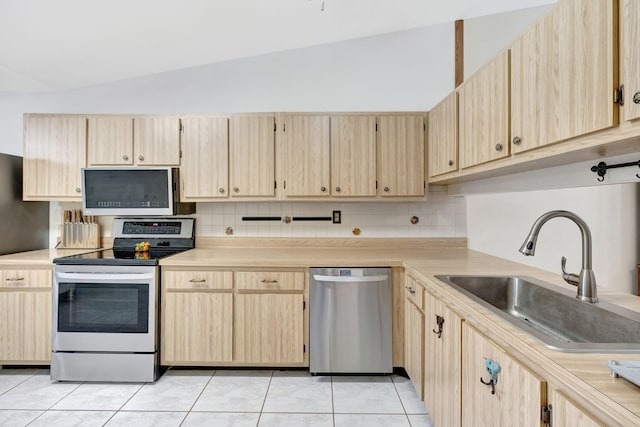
x: 584, y: 378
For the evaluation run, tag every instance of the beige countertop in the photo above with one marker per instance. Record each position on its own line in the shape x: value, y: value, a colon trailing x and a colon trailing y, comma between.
x: 40, y: 257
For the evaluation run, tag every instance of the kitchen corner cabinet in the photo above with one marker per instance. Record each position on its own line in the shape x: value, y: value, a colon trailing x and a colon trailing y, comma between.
x: 443, y: 136
x: 306, y: 156
x: 401, y: 141
x: 252, y: 155
x: 269, y: 325
x: 556, y: 95
x: 414, y: 333
x: 519, y: 395
x: 442, y: 362
x: 25, y: 316
x: 630, y: 57
x: 353, y: 156
x: 197, y: 317
x: 156, y: 141
x: 565, y: 413
x: 54, y: 153
x: 484, y: 113
x: 205, y: 164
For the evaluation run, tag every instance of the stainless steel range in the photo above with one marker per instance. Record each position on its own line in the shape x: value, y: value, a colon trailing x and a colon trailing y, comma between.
x: 106, y: 303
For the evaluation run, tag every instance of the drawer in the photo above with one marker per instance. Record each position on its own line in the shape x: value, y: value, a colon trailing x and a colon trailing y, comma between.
x: 270, y: 280
x: 414, y: 291
x: 25, y: 278
x: 200, y: 280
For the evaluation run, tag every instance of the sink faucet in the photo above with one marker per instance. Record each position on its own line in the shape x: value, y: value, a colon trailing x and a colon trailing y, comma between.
x: 586, y: 280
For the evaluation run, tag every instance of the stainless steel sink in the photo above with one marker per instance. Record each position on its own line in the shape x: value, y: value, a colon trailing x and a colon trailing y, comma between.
x: 553, y: 315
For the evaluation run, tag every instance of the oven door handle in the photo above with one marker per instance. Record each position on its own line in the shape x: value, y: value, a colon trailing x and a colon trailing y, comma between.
x: 106, y: 277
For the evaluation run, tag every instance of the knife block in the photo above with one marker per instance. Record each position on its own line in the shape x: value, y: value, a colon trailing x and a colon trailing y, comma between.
x: 85, y: 235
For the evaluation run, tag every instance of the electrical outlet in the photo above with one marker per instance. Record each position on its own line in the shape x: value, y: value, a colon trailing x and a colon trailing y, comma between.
x: 337, y: 217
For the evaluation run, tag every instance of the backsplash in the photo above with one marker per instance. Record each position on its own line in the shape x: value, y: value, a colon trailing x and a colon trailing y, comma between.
x: 439, y: 216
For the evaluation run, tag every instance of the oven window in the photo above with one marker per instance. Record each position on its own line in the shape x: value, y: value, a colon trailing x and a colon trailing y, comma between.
x: 112, y: 308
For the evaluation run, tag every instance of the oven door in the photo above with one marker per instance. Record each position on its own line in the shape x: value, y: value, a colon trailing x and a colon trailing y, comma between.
x: 104, y: 308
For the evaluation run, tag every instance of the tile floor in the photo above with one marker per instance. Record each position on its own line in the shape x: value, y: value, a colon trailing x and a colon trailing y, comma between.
x: 235, y: 398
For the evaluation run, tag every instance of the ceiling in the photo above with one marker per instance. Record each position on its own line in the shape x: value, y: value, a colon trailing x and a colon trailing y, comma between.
x: 61, y: 45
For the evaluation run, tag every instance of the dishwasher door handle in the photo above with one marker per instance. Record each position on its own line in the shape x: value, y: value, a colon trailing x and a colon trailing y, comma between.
x: 350, y: 279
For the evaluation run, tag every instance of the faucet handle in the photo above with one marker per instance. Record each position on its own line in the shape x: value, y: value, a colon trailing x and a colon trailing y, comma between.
x: 572, y: 279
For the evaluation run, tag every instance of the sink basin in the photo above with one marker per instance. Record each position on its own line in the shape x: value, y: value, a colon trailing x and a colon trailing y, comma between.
x: 553, y: 315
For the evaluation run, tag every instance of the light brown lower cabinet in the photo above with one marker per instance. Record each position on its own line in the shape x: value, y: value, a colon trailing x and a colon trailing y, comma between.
x: 25, y: 316
x: 518, y: 394
x: 414, y: 334
x: 567, y: 414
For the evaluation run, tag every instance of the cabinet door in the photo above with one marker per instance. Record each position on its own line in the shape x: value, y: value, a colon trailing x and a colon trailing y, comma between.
x: 252, y: 161
x: 269, y: 328
x: 353, y: 156
x: 414, y: 345
x: 519, y: 395
x: 156, y: 141
x: 442, y: 379
x: 197, y: 328
x: 25, y: 326
x: 205, y: 164
x: 54, y: 153
x: 630, y: 57
x: 306, y: 156
x: 566, y: 414
x: 484, y: 114
x: 401, y: 155
x: 443, y: 136
x: 110, y: 141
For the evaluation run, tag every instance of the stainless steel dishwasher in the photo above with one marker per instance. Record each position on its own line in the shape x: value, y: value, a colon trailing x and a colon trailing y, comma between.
x: 350, y: 320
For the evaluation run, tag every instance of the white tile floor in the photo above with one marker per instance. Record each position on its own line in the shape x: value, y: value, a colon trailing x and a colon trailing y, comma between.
x: 212, y: 398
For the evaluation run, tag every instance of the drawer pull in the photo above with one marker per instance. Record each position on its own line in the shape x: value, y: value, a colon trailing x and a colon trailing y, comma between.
x: 198, y: 280
x: 15, y: 280
x: 269, y: 281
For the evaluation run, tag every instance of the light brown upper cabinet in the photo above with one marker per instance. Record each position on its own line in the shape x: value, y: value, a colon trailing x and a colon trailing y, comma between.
x: 484, y: 113
x: 306, y: 156
x: 110, y: 141
x: 630, y: 57
x: 562, y: 75
x: 54, y: 153
x: 252, y: 155
x: 353, y: 156
x: 401, y: 155
x: 205, y: 163
x: 443, y: 136
x: 156, y: 141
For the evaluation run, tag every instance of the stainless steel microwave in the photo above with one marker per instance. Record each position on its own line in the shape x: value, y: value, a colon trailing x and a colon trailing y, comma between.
x: 132, y: 191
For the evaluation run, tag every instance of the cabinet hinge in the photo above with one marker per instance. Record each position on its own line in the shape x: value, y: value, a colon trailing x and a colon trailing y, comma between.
x: 304, y: 305
x: 180, y: 153
x: 424, y: 127
x: 546, y: 415
x: 304, y: 348
x: 284, y: 185
x: 376, y: 184
x: 424, y: 184
x: 284, y: 127
x: 376, y: 127
x: 181, y: 127
x: 618, y: 95
x: 275, y: 184
x: 274, y: 127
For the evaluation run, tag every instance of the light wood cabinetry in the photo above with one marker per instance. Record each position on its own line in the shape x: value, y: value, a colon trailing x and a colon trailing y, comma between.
x: 197, y: 317
x: 442, y: 366
x: 306, y: 156
x: 484, y: 113
x: 110, y: 141
x: 630, y: 57
x: 54, y: 153
x: 401, y: 141
x: 519, y: 395
x: 25, y: 316
x: 156, y: 141
x: 566, y: 413
x: 562, y: 75
x: 414, y: 334
x: 252, y: 155
x: 443, y: 136
x: 204, y: 173
x: 353, y: 156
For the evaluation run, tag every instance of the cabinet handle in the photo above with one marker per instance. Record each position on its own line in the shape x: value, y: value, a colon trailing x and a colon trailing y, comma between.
x: 636, y: 98
x: 197, y: 280
x: 125, y: 157
x: 440, y: 323
x: 323, y: 188
x: 517, y: 140
x: 386, y: 189
x: 493, y: 368
x: 269, y: 281
x: 450, y: 162
x: 78, y: 189
x: 236, y: 189
x: 338, y: 189
x: 141, y: 158
x: 498, y: 147
x: 221, y: 190
x: 17, y: 279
